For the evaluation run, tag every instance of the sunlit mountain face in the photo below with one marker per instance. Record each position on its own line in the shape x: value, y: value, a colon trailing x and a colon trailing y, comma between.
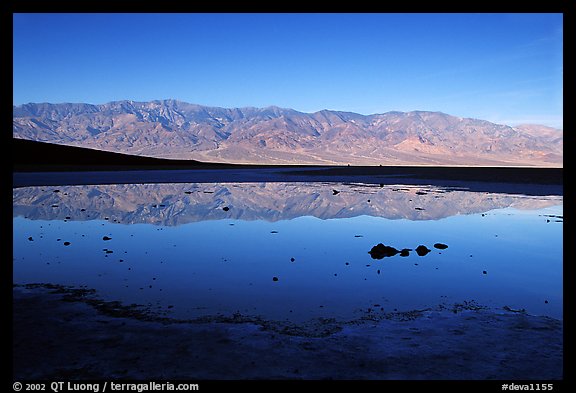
x: 272, y: 135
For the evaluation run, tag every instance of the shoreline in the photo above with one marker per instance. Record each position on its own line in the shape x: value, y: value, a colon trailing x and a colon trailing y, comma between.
x: 84, y: 337
x: 528, y: 181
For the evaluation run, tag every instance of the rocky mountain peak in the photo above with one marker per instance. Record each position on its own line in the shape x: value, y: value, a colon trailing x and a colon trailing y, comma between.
x: 171, y: 128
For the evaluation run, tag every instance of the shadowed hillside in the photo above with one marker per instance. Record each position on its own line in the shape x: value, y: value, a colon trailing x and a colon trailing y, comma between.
x: 40, y: 156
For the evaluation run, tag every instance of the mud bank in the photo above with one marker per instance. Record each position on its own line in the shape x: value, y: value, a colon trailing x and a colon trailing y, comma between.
x: 60, y: 333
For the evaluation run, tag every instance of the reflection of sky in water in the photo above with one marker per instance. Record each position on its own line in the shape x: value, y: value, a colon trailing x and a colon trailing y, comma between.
x: 221, y: 266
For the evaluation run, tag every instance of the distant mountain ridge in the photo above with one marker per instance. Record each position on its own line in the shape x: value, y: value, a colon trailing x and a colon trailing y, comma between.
x: 273, y: 135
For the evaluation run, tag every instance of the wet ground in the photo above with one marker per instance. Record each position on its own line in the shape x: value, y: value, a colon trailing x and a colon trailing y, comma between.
x: 71, y: 334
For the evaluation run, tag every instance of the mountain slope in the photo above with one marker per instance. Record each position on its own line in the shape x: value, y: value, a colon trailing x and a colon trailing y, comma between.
x: 33, y: 156
x: 272, y: 135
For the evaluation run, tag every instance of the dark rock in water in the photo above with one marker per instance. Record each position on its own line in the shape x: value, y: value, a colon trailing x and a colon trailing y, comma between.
x: 422, y: 250
x: 225, y: 208
x: 292, y: 259
x: 358, y: 235
x: 380, y: 251
x: 30, y: 238
x: 274, y: 278
x: 66, y: 243
x: 418, y: 208
x: 335, y: 192
x: 546, y: 301
x: 56, y: 191
x: 188, y: 192
x: 405, y: 252
x: 273, y: 231
x: 484, y: 272
x: 106, y: 238
x: 440, y: 246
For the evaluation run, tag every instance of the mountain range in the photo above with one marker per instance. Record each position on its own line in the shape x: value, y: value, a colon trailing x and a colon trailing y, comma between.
x: 178, y: 130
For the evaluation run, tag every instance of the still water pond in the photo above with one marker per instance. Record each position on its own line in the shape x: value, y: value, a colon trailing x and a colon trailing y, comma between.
x: 292, y: 251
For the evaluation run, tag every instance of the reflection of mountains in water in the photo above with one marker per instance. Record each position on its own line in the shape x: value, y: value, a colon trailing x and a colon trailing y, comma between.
x: 180, y: 203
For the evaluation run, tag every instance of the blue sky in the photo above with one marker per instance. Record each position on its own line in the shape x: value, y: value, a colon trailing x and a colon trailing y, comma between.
x: 505, y: 68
